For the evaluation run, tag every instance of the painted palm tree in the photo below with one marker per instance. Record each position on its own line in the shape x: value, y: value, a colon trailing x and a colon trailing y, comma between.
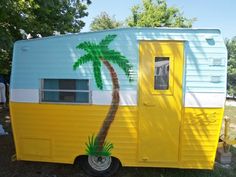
x: 99, y: 54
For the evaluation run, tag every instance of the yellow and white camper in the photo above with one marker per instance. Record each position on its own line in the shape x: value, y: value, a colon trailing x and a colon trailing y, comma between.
x: 144, y: 97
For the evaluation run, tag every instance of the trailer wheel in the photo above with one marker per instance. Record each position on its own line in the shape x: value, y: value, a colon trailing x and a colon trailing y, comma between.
x: 100, y: 166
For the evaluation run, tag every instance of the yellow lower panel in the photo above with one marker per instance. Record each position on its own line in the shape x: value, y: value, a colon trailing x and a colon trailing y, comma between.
x: 199, y: 136
x: 58, y: 133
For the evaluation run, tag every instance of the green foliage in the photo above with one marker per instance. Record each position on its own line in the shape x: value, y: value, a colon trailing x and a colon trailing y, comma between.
x: 155, y: 13
x: 22, y: 17
x: 93, y: 53
x: 97, y: 74
x: 84, y: 59
x: 231, y: 75
x: 92, y: 147
x: 107, y: 40
x: 5, y: 63
x: 87, y: 46
x: 116, y: 58
x: 104, y: 21
x: 96, y: 52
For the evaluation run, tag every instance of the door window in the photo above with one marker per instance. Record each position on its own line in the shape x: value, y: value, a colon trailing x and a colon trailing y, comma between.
x: 161, y: 73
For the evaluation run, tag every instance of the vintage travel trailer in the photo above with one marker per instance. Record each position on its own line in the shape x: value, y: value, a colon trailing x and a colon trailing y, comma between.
x: 144, y: 97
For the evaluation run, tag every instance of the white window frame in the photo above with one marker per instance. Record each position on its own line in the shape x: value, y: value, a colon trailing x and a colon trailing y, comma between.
x: 41, y: 90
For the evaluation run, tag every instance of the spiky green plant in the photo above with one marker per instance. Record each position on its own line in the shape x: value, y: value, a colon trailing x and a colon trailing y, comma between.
x: 92, y: 147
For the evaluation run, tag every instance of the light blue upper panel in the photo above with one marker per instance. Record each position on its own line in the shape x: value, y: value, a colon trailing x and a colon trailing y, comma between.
x: 53, y: 57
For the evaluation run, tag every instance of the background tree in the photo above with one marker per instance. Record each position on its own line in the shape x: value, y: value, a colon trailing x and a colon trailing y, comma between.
x: 104, y: 21
x: 21, y: 17
x: 157, y: 14
x: 231, y: 80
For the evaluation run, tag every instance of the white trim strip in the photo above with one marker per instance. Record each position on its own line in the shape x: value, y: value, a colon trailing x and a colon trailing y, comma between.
x: 209, y: 100
x: 24, y: 95
x: 98, y: 97
x: 104, y: 97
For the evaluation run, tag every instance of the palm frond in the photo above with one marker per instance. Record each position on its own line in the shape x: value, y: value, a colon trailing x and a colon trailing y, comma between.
x: 84, y: 59
x: 101, y: 51
x: 93, y: 54
x: 107, y: 40
x: 97, y: 74
x: 87, y: 46
x: 117, y: 58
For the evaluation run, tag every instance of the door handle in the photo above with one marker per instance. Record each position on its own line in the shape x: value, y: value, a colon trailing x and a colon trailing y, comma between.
x: 148, y: 103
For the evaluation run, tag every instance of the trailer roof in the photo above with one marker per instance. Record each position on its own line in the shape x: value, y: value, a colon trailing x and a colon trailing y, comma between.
x: 180, y: 30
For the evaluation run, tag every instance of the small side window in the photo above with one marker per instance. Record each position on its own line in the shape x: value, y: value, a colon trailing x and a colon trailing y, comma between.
x: 161, y: 76
x: 65, y: 90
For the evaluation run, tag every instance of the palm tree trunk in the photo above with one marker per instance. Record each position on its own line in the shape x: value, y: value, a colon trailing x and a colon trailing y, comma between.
x: 113, y: 107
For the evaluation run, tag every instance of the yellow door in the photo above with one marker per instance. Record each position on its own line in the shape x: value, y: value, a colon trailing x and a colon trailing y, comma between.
x: 160, y: 100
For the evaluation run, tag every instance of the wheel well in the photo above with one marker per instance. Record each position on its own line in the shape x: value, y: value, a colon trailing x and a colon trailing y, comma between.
x: 117, y: 160
x: 80, y: 158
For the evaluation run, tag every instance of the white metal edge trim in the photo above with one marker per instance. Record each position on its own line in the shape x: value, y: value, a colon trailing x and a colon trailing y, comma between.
x: 98, y: 97
x: 24, y: 95
x: 104, y: 97
x: 209, y: 100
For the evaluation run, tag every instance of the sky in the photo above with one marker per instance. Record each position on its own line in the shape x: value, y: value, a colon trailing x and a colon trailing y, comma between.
x: 220, y: 14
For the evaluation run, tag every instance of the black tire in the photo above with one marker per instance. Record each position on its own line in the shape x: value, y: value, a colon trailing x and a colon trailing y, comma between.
x: 89, y: 170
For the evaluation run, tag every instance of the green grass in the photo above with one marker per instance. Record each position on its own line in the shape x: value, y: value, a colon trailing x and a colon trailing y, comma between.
x: 230, y: 111
x: 92, y: 147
